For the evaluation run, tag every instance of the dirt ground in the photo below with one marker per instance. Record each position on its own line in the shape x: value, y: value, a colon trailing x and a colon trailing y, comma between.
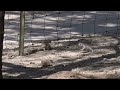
x: 86, y: 58
x: 96, y: 57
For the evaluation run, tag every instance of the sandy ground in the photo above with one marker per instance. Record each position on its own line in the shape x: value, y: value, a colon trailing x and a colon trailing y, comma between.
x: 95, y: 57
x: 61, y: 63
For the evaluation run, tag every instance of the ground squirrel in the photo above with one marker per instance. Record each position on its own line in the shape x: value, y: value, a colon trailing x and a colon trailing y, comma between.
x: 46, y: 63
x: 47, y: 45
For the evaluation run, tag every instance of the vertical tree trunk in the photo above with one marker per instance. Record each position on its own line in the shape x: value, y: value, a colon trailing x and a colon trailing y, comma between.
x: 22, y: 24
x: 2, y: 14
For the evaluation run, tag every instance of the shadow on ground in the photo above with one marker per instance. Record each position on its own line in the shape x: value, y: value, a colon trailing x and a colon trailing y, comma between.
x: 29, y: 72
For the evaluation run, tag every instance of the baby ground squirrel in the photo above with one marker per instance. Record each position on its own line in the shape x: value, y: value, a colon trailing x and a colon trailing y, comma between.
x: 46, y: 63
x: 47, y: 45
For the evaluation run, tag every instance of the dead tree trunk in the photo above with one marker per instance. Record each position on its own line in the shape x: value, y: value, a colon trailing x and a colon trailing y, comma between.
x: 2, y: 14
